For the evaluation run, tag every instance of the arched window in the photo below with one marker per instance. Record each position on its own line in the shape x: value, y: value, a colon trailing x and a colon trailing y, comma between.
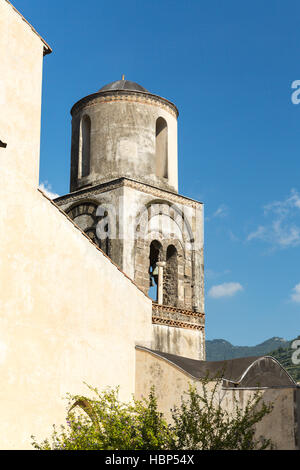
x: 85, y: 147
x: 161, y: 148
x: 171, y: 277
x: 154, y: 257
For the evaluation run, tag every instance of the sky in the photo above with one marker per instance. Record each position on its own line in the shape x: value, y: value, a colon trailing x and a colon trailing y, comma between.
x: 229, y: 67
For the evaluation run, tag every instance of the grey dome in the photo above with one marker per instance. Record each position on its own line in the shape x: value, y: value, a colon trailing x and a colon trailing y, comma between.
x: 123, y: 85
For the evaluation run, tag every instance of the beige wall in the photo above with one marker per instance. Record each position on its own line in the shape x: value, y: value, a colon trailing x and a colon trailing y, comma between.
x: 171, y: 383
x: 279, y: 426
x: 67, y: 314
x: 21, y: 59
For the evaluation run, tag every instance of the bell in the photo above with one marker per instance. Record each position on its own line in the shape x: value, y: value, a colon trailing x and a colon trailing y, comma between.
x: 155, y: 271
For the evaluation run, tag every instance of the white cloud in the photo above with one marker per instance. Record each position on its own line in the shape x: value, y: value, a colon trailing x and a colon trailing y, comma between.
x: 47, y: 189
x: 295, y: 296
x: 283, y: 228
x: 258, y: 233
x: 220, y: 213
x: 228, y: 289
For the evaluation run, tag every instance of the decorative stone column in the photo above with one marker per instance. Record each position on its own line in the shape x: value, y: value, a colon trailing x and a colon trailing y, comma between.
x: 160, y: 290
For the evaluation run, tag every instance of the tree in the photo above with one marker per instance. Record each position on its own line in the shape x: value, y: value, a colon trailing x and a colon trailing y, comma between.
x: 200, y: 422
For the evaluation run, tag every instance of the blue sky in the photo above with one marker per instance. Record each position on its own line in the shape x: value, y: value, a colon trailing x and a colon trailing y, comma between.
x: 228, y: 66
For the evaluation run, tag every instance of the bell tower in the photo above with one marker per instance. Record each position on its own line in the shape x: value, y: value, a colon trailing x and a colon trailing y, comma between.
x: 124, y: 195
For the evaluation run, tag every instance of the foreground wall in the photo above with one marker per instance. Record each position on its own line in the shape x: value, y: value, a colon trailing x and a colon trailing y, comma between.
x: 67, y: 314
x: 171, y: 383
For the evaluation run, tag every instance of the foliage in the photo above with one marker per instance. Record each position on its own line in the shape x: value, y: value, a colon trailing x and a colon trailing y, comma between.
x: 108, y: 424
x: 199, y: 423
x: 202, y: 423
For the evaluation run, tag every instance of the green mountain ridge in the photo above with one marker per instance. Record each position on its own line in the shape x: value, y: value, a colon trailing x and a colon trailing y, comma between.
x: 279, y: 348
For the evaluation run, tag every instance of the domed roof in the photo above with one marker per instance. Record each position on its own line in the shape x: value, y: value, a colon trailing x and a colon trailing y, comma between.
x: 123, y: 85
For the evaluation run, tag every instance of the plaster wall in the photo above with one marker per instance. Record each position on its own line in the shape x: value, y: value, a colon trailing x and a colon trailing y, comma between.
x: 66, y: 312
x: 21, y: 59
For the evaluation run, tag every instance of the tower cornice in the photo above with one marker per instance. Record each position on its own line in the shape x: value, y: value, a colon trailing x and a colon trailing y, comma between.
x: 112, y: 96
x: 127, y: 182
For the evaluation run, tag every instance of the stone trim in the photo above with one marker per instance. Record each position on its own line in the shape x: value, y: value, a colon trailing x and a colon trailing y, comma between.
x: 177, y: 317
x: 176, y: 324
x: 171, y: 309
x: 127, y: 182
x: 112, y: 96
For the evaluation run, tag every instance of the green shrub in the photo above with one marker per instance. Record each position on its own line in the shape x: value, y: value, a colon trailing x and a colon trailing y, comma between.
x: 108, y: 424
x: 200, y: 422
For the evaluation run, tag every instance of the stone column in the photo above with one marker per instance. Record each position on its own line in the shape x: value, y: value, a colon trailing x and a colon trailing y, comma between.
x: 160, y: 283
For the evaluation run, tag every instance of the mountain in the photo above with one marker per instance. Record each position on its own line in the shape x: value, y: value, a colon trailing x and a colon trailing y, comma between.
x: 220, y: 349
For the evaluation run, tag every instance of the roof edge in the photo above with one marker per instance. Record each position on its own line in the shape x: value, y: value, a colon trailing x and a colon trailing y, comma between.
x: 267, y: 356
x: 235, y: 383
x: 156, y: 354
x: 47, y: 48
x: 92, y: 243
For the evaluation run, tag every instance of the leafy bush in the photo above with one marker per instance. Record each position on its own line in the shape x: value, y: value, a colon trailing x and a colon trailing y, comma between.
x: 108, y: 424
x: 200, y: 422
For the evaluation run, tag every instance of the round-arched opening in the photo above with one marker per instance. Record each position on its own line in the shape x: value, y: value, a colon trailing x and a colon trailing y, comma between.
x: 161, y: 148
x: 85, y: 147
x: 154, y: 257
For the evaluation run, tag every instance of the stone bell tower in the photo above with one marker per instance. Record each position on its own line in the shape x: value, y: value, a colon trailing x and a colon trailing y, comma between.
x: 124, y: 195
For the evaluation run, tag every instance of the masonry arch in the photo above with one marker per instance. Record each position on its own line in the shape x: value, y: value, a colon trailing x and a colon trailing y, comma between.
x: 93, y: 222
x: 160, y: 208
x: 167, y: 224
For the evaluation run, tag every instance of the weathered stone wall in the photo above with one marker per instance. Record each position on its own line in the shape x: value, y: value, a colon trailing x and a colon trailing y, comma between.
x: 123, y: 139
x: 184, y: 342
